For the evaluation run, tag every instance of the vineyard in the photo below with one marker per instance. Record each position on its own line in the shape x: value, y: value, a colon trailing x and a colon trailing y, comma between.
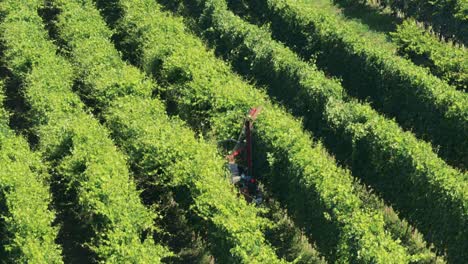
x: 118, y: 121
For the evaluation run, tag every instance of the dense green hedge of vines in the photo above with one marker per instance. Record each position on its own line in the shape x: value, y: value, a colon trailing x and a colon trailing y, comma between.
x: 446, y: 59
x: 205, y: 92
x: 420, y: 102
x: 443, y: 59
x: 447, y: 17
x: 161, y: 149
x: 375, y: 147
x: 25, y: 219
x: 358, y: 135
x: 91, y: 174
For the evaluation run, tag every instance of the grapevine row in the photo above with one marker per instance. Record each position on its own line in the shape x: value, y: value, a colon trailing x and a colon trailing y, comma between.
x: 419, y: 101
x: 84, y: 159
x: 287, y: 239
x: 26, y: 222
x: 357, y: 134
x: 317, y: 193
x: 444, y: 60
x: 448, y: 17
x: 160, y: 148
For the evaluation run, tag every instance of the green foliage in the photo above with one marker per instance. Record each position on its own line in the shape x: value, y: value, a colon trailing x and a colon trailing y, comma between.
x: 317, y: 193
x: 288, y: 240
x: 401, y: 230
x: 420, y: 102
x: 310, y: 94
x: 444, y: 60
x: 448, y: 17
x: 83, y: 157
x: 160, y: 149
x: 427, y: 191
x: 149, y: 137
x: 375, y: 147
x: 25, y: 219
x: 3, y: 113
